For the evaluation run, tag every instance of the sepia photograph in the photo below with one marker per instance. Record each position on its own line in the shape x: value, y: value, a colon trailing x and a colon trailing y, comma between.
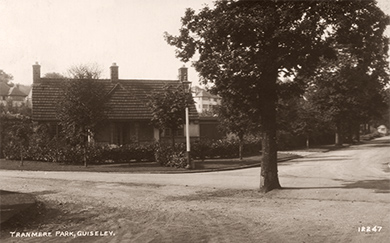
x: 195, y: 121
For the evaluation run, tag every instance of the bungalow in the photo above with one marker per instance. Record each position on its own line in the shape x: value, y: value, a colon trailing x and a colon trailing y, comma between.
x: 128, y: 115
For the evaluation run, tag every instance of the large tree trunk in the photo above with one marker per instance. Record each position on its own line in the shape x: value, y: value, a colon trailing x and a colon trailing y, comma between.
x: 269, y: 168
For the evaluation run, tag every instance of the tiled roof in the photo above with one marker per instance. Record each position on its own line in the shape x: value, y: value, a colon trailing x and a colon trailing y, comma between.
x: 15, y: 91
x: 199, y: 92
x: 11, y: 91
x: 128, y: 98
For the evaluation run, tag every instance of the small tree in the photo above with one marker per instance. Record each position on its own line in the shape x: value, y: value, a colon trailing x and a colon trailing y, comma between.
x: 81, y: 110
x: 168, y: 108
x: 233, y: 120
x: 19, y: 129
x: 11, y: 115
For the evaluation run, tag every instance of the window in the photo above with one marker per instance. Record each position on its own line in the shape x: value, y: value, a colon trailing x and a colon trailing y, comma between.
x: 178, y: 133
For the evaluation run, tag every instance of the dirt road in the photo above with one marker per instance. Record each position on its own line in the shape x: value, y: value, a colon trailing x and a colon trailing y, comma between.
x: 328, y: 197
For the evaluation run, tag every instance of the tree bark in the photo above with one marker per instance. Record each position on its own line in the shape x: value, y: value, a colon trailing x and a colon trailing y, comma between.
x: 269, y: 168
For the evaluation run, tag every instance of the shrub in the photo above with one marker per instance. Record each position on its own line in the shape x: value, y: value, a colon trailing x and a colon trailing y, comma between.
x: 225, y: 148
x: 17, y: 130
x: 128, y: 153
x: 44, y: 147
x: 167, y: 155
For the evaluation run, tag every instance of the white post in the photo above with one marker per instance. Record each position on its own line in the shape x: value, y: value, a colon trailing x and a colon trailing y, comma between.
x: 190, y: 164
x: 187, y: 131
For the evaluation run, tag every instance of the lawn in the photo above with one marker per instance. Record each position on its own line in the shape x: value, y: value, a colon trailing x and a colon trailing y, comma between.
x: 143, y: 167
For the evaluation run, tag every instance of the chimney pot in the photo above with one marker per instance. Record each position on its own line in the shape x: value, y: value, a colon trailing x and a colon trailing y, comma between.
x: 36, y: 72
x: 114, y: 71
x: 183, y: 74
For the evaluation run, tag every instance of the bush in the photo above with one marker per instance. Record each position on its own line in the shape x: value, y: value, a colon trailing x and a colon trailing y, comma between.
x: 16, y: 130
x: 44, y: 147
x: 128, y: 153
x: 225, y: 148
x: 167, y: 155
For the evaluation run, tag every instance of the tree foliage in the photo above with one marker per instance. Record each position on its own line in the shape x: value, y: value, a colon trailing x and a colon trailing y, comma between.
x: 85, y: 71
x: 168, y: 108
x: 5, y: 77
x: 243, y: 47
x: 233, y: 120
x: 13, y: 118
x: 82, y: 108
x: 348, y: 92
x: 53, y: 75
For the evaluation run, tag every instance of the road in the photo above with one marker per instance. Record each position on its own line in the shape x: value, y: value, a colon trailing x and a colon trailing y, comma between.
x: 326, y: 197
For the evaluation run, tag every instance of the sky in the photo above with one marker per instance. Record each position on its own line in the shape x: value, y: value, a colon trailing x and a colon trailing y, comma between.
x: 59, y: 34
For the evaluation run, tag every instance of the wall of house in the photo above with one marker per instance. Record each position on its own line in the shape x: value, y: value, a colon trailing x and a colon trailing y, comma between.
x: 180, y: 137
x: 103, y: 136
x: 194, y: 129
x: 121, y: 133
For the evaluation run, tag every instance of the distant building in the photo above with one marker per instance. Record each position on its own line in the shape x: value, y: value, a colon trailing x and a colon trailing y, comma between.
x: 12, y: 94
x: 204, y: 100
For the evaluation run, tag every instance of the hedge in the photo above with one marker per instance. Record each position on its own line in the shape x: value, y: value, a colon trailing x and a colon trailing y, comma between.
x: 42, y: 147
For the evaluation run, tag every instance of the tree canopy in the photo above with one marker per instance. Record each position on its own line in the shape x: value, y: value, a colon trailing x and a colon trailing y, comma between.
x: 53, y: 75
x: 5, y: 77
x: 85, y: 71
x: 82, y: 108
x: 233, y: 120
x: 168, y: 108
x: 243, y: 47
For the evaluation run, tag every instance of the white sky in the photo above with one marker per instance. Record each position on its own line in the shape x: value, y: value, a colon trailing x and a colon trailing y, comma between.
x: 59, y: 34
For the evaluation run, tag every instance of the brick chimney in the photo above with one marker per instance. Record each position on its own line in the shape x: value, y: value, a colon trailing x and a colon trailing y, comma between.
x: 36, y: 72
x: 183, y: 74
x: 114, y: 72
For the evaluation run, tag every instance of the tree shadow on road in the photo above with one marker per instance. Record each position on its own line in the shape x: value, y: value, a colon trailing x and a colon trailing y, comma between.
x: 379, y: 186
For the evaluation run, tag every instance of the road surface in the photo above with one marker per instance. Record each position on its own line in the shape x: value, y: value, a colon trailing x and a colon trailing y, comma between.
x: 327, y: 197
